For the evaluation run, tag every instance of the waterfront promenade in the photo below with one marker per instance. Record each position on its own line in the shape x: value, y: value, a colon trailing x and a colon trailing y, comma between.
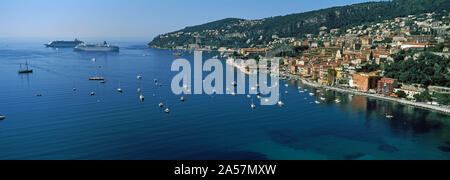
x: 402, y: 101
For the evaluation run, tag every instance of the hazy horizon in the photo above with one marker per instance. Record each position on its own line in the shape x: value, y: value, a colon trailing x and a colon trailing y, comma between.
x: 134, y: 19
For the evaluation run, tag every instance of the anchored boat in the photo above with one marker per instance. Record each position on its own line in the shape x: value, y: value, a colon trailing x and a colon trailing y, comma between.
x: 64, y: 44
x: 97, y: 77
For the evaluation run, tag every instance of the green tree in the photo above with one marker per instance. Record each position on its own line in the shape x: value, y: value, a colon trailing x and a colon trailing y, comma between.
x: 401, y: 94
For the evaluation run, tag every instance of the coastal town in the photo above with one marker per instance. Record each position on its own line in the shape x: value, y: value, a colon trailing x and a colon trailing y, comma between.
x: 358, y: 59
x: 355, y: 61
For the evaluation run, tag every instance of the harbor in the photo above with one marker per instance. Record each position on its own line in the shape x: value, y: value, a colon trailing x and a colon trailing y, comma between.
x: 135, y: 115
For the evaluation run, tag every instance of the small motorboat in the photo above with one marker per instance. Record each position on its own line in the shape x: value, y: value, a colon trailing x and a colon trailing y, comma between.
x: 317, y: 102
x: 253, y: 106
x: 141, y: 97
x: 74, y: 89
x: 39, y: 95
x: 2, y: 117
x: 160, y: 105
x: 139, y: 77
x: 167, y: 111
x: 280, y: 103
x: 182, y: 99
x: 311, y: 94
x: 92, y: 93
x: 389, y: 116
x: 249, y: 96
x: 139, y: 90
x: 234, y: 84
x: 338, y: 101
x: 233, y: 94
x: 323, y: 99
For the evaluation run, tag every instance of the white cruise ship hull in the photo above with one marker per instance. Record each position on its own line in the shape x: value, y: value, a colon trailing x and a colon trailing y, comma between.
x: 97, y: 49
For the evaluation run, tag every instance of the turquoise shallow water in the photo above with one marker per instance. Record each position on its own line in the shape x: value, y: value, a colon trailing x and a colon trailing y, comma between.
x: 63, y: 124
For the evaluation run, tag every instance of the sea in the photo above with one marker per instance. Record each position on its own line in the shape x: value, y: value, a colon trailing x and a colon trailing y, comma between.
x: 66, y: 124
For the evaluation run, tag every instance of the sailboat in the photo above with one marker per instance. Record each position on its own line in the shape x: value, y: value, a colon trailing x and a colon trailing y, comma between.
x: 120, y: 90
x: 253, y: 106
x: 25, y: 71
x: 280, y: 103
x: 167, y: 110
x: 141, y: 97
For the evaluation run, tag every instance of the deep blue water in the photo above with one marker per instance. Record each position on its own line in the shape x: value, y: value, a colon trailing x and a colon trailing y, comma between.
x: 63, y: 124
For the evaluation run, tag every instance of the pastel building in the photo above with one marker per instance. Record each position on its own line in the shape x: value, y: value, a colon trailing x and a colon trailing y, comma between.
x: 365, y: 81
x: 386, y: 86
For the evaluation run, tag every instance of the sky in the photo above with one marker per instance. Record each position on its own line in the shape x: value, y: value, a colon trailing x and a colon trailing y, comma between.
x: 135, y: 18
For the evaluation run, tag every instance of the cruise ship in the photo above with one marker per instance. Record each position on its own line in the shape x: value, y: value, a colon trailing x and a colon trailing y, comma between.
x: 105, y: 47
x: 64, y: 44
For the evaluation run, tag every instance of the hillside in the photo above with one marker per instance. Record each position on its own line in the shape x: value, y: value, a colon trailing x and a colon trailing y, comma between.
x: 240, y: 33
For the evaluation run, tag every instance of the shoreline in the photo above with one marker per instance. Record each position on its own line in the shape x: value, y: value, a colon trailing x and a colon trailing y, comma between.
x: 401, y: 101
